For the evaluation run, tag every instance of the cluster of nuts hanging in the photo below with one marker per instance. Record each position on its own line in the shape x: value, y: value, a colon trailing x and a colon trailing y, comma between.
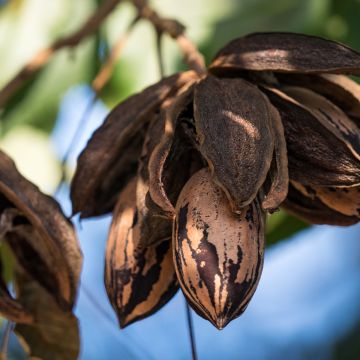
x: 191, y: 165
x: 189, y: 168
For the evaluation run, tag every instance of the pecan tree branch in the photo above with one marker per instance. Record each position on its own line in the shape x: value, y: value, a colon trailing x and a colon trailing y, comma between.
x: 159, y: 53
x: 43, y: 56
x: 176, y: 30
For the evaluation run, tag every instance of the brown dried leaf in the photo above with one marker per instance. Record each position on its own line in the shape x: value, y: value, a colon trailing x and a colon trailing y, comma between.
x: 42, y: 239
x: 103, y: 200
x: 302, y: 203
x: 316, y: 155
x: 286, y: 52
x: 138, y: 280
x: 218, y: 255
x: 55, y: 333
x: 110, y: 157
x: 233, y: 123
x: 339, y: 89
x: 279, y: 167
x: 169, y: 118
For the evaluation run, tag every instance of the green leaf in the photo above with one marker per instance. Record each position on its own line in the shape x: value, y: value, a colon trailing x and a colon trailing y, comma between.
x: 281, y: 226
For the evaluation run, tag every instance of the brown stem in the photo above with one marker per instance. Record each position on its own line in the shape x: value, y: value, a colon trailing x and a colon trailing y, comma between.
x: 43, y: 56
x: 192, y: 56
x: 176, y: 30
x: 159, y: 53
x: 190, y: 327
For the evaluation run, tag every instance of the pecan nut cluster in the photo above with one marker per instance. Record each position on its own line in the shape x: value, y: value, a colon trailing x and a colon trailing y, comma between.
x: 190, y: 166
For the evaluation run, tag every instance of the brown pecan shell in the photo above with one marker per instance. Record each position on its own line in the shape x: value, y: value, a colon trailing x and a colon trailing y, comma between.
x: 218, y: 255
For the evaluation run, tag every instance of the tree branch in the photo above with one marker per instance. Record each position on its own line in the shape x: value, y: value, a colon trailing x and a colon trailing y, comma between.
x: 159, y: 53
x: 176, y: 30
x: 43, y: 56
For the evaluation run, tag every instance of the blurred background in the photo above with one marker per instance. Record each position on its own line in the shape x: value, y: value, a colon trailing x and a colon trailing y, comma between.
x: 307, y: 304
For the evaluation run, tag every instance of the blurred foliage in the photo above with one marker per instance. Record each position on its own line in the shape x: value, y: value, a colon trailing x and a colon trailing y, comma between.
x: 120, y: 84
x: 281, y: 226
x: 23, y: 23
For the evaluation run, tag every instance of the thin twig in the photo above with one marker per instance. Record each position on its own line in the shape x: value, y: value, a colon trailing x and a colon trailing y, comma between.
x: 9, y: 327
x: 79, y: 129
x: 192, y: 56
x: 107, y: 68
x: 176, y: 30
x: 191, y: 331
x: 105, y: 314
x: 159, y: 52
x: 97, y: 85
x: 44, y: 55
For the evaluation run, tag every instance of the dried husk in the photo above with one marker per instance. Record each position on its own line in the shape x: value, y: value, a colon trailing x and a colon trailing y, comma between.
x: 138, y: 280
x: 152, y: 228
x: 286, y: 52
x: 302, y: 203
x: 182, y: 161
x: 316, y: 155
x: 278, y: 174
x: 330, y: 116
x: 41, y: 238
x: 169, y: 117
x: 339, y: 89
x: 343, y: 200
x: 233, y: 122
x: 218, y: 255
x: 110, y: 157
x: 103, y: 200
